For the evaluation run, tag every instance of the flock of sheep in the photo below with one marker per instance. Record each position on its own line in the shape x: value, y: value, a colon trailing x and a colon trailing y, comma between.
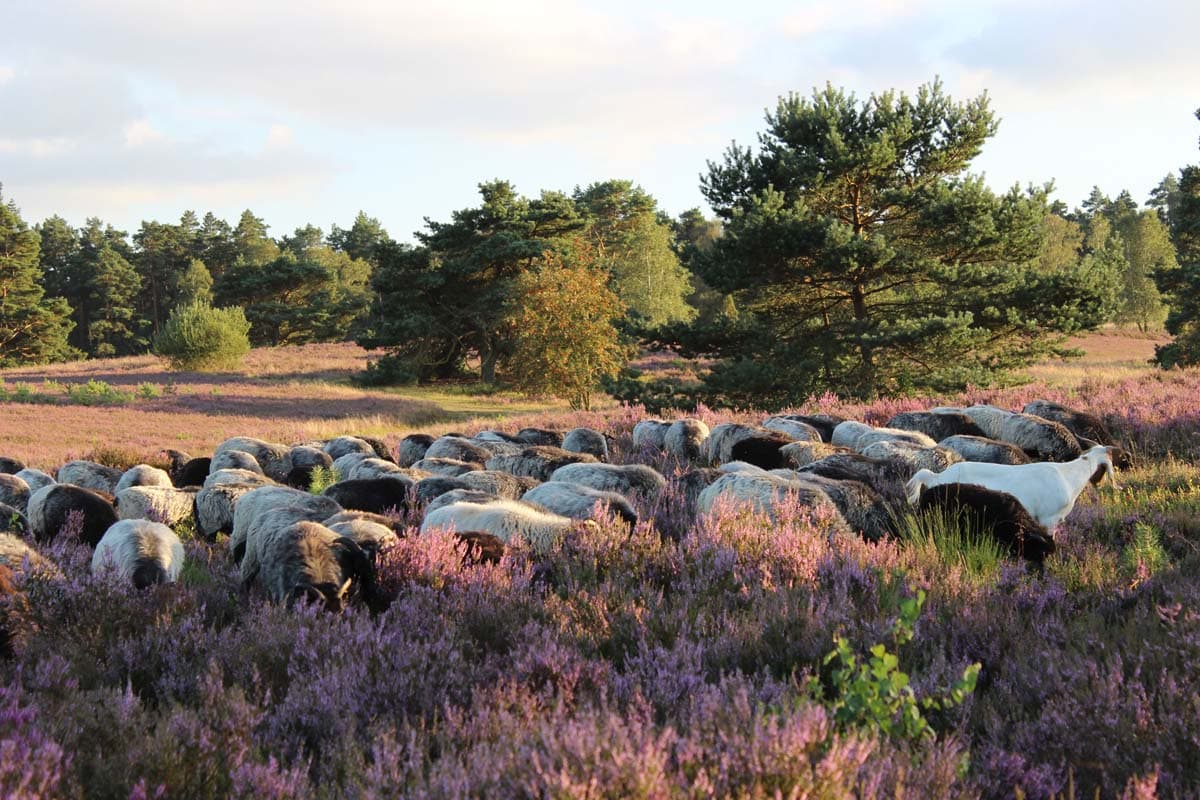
x: 1019, y: 473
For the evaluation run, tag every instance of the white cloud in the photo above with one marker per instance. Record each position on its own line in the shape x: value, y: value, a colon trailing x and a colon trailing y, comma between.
x: 140, y: 132
x: 280, y: 137
x: 7, y: 74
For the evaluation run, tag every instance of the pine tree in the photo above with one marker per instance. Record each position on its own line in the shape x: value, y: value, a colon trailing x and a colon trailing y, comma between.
x: 1181, y: 285
x: 33, y: 328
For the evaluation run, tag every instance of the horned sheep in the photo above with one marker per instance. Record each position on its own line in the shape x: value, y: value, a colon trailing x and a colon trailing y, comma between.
x: 144, y: 552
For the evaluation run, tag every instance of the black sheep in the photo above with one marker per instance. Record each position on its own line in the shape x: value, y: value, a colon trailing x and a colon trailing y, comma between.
x: 999, y: 513
x: 936, y: 425
x: 762, y: 450
x: 377, y: 495
x: 10, y: 466
x: 50, y: 508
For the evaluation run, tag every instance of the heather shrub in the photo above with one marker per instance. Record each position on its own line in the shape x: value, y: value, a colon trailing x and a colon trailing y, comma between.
x: 199, y: 337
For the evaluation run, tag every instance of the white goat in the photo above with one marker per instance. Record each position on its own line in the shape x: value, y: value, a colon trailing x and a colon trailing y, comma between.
x: 1047, y: 489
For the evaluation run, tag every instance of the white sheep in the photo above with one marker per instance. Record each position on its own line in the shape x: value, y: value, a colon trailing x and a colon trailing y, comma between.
x: 223, y: 476
x: 650, y: 435
x: 214, y: 508
x: 762, y: 492
x: 504, y: 519
x: 794, y: 429
x: 268, y: 455
x: 578, y: 501
x: 340, y: 446
x: 586, y: 440
x: 142, y: 551
x: 1047, y: 489
x: 89, y: 475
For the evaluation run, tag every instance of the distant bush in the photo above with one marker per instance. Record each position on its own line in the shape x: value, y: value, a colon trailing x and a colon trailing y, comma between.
x: 199, y: 337
x: 97, y: 393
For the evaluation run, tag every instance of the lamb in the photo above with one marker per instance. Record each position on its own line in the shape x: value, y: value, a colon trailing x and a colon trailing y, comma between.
x: 341, y: 445
x: 934, y: 425
x: 1047, y: 489
x: 538, y: 462
x: 684, y: 440
x: 506, y: 520
x: 981, y: 448
x: 586, y: 440
x: 14, y: 491
x: 35, y: 478
x: 1042, y: 439
x: 998, y: 513
x: 649, y: 435
x: 144, y: 552
x: 412, y: 448
x: 763, y: 450
x: 214, y: 508
x: 577, y: 501
x: 377, y: 495
x: 280, y: 502
x: 305, y: 560
x: 458, y: 449
x: 50, y: 507
x: 143, y: 475
x: 235, y: 459
x: 89, y: 475
x: 935, y: 458
x: 10, y: 466
x: 627, y: 479
x: 763, y: 493
x: 446, y: 466
x: 796, y: 430
x: 498, y: 483
x: 269, y: 456
x: 159, y: 503
x: 539, y: 437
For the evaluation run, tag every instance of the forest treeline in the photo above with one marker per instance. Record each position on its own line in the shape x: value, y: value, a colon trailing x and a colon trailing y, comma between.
x: 852, y: 252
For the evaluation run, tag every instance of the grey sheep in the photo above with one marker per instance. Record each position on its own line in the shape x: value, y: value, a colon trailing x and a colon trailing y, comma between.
x: 300, y: 463
x: 936, y: 426
x: 580, y: 502
x: 214, y: 508
x: 337, y: 447
x: 164, y: 504
x: 272, y: 502
x: 934, y: 459
x: 458, y: 449
x: 981, y: 448
x: 446, y: 466
x: 427, y: 489
x: 650, y: 435
x: 51, y: 507
x: 372, y: 536
x: 14, y: 491
x: 626, y: 479
x: 144, y: 552
x: 412, y: 448
x: 718, y: 447
x: 235, y: 459
x: 269, y: 456
x: 794, y: 429
x: 306, y: 561
x: 89, y: 475
x: 538, y: 462
x: 800, y: 454
x: 539, y: 437
x: 460, y: 496
x: 763, y: 493
x: 35, y: 478
x: 586, y: 440
x: 684, y: 439
x: 502, y: 484
x: 237, y: 476
x: 143, y: 475
x: 1042, y: 439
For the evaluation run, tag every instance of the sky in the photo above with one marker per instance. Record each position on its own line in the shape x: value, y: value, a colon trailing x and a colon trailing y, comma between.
x: 307, y: 111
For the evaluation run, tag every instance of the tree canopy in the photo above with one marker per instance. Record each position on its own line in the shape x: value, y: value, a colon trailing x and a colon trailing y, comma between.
x: 1181, y: 284
x: 864, y: 259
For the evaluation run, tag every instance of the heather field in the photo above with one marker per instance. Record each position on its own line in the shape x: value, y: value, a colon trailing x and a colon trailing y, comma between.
x: 725, y: 656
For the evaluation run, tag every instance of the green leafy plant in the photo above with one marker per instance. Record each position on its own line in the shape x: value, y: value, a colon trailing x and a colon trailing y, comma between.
x: 876, y: 694
x: 199, y: 337
x: 322, y: 478
x: 97, y: 393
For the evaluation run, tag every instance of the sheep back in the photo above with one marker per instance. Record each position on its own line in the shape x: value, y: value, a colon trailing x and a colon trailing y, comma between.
x: 50, y: 507
x: 934, y: 425
x: 145, y: 552
x: 998, y: 513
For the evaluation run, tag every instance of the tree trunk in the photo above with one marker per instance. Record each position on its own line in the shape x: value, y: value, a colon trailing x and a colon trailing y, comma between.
x: 487, y: 361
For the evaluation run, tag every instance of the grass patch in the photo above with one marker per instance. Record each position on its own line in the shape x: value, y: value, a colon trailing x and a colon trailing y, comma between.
x: 958, y: 538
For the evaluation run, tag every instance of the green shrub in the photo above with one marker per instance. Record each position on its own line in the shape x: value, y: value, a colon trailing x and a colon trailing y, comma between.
x: 97, y: 393
x: 199, y: 337
x: 322, y: 478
